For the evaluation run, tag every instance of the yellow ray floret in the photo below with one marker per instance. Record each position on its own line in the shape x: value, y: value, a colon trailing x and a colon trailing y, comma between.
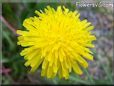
x: 58, y: 40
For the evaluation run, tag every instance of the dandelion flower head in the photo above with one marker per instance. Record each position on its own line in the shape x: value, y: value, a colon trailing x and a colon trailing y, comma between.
x: 58, y: 41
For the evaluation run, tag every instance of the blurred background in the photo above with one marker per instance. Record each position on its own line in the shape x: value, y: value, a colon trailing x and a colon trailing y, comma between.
x: 13, y: 71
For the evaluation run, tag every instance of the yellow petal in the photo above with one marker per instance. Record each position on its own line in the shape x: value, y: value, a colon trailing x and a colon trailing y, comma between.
x: 76, y: 68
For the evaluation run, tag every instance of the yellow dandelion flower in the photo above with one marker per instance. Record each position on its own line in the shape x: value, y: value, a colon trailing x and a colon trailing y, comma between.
x: 58, y: 41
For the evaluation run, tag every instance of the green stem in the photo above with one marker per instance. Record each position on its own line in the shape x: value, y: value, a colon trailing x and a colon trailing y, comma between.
x: 90, y: 77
